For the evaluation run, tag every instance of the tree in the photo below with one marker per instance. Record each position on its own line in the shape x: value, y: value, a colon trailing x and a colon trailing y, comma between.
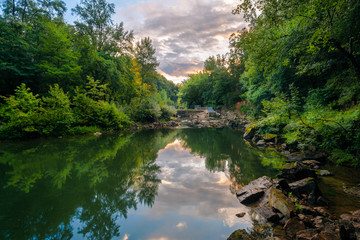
x: 57, y: 61
x: 145, y: 56
x: 95, y: 21
x: 27, y: 10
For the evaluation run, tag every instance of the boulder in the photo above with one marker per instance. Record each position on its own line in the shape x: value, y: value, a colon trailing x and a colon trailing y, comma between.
x: 306, y: 234
x: 241, y: 234
x: 293, y: 226
x: 282, y: 185
x: 306, y: 186
x: 302, y: 156
x: 255, y: 190
x: 295, y: 172
x: 266, y: 213
x: 281, y: 203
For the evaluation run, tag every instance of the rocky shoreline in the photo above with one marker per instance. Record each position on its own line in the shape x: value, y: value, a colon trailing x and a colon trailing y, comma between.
x: 292, y: 206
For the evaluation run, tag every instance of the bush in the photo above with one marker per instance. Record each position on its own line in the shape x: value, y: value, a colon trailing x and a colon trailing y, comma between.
x: 20, y: 114
x: 89, y: 112
x: 57, y: 116
x: 167, y: 112
x: 146, y: 110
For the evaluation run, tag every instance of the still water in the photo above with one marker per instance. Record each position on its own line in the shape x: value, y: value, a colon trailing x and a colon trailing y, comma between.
x: 153, y: 184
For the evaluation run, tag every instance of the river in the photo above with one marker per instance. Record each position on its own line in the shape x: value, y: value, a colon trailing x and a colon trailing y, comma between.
x: 153, y: 184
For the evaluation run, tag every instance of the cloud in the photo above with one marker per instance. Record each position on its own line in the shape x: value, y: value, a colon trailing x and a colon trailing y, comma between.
x: 184, y: 32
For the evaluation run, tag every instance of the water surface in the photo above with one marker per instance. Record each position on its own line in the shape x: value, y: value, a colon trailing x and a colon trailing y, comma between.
x: 154, y: 184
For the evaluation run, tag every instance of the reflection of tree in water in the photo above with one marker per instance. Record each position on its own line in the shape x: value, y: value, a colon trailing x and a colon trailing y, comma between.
x: 94, y: 179
x: 221, y: 146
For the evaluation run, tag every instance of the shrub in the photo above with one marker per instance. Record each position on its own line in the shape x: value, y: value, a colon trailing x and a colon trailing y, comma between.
x: 57, y: 116
x: 20, y: 113
x: 89, y: 112
x: 146, y: 110
x: 167, y: 112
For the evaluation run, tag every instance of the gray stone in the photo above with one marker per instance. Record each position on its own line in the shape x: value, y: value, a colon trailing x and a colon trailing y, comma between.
x: 325, y: 173
x: 267, y: 213
x: 261, y: 143
x: 305, y: 186
x: 255, y: 190
x: 296, y: 171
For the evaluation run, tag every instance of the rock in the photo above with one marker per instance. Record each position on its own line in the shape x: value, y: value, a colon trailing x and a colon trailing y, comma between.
x: 295, y: 172
x: 306, y: 220
x: 347, y: 230
x: 312, y: 163
x: 240, y: 215
x: 352, y: 190
x: 322, y: 201
x: 325, y: 173
x: 293, y: 226
x: 306, y: 234
x: 256, y: 138
x: 330, y: 234
x: 254, y: 190
x: 241, y: 234
x: 282, y: 185
x: 306, y: 186
x: 308, y: 210
x: 267, y: 213
x: 280, y: 202
x: 249, y: 132
x: 322, y: 211
x: 302, y: 156
x: 261, y: 143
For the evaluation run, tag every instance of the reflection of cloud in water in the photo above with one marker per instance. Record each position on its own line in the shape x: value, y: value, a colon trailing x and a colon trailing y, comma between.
x: 230, y: 218
x: 160, y: 238
x: 181, y: 225
x: 188, y: 188
x: 126, y: 237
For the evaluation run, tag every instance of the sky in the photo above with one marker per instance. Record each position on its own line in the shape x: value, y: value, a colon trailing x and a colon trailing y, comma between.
x: 184, y: 32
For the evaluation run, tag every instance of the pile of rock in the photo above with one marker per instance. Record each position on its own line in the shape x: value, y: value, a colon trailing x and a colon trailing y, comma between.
x: 156, y: 125
x: 222, y: 119
x: 293, y: 204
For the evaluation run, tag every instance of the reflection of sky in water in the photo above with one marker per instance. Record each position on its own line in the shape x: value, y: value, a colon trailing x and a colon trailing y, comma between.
x: 192, y: 203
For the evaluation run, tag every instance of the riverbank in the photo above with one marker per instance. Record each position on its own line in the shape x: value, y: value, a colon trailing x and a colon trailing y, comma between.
x: 298, y: 203
x: 292, y: 206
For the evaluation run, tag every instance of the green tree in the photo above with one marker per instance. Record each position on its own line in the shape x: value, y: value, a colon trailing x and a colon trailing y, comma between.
x: 57, y: 61
x: 145, y: 56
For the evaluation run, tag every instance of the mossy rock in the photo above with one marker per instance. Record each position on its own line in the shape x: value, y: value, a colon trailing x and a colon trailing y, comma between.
x: 241, y: 234
x: 280, y: 202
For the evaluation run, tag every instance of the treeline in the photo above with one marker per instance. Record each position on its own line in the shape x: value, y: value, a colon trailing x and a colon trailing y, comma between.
x: 61, y: 79
x: 298, y: 67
